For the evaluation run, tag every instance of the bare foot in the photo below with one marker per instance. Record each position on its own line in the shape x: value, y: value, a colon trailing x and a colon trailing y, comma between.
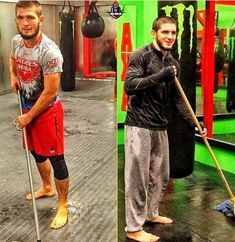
x: 162, y: 220
x: 60, y: 219
x: 142, y: 236
x: 40, y: 193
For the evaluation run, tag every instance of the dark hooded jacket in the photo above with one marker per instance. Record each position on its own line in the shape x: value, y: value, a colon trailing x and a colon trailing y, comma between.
x: 148, y: 93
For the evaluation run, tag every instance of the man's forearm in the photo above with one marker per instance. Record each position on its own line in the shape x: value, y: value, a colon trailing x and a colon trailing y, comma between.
x: 41, y: 104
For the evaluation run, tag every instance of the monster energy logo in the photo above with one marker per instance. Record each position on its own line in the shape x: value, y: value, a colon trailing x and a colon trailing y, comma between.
x: 180, y: 9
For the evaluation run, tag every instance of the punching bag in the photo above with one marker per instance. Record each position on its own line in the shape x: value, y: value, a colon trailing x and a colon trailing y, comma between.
x: 219, y: 59
x: 181, y: 135
x: 93, y: 24
x: 67, y: 16
x: 230, y: 101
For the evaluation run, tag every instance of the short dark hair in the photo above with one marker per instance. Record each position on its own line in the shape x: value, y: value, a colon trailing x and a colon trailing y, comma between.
x: 29, y: 4
x: 162, y: 20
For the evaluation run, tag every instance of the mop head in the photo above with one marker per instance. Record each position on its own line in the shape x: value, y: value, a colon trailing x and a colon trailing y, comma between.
x: 226, y: 207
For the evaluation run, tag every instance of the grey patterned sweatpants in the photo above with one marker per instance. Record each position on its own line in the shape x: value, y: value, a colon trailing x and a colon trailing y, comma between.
x: 146, y: 174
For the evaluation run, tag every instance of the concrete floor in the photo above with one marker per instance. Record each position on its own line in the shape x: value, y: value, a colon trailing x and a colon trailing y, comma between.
x: 90, y: 142
x: 90, y: 147
x: 189, y: 202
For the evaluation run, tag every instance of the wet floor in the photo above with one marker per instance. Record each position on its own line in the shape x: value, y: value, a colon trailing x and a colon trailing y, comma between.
x: 189, y: 202
x: 90, y: 151
x: 229, y: 137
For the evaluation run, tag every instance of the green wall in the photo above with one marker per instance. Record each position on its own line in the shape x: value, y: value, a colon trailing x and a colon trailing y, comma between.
x: 140, y: 15
x: 224, y: 157
x: 226, y: 14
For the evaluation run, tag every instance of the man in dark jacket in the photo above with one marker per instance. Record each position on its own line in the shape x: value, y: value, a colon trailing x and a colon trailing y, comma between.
x: 149, y: 85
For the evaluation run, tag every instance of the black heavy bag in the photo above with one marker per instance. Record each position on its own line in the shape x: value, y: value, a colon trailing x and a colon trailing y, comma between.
x: 230, y: 101
x: 181, y: 135
x: 219, y: 59
x: 93, y: 24
x: 219, y: 53
x: 67, y: 16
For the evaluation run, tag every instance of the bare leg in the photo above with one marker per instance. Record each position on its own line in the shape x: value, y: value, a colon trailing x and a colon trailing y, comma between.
x: 114, y: 96
x: 61, y: 217
x: 46, y: 190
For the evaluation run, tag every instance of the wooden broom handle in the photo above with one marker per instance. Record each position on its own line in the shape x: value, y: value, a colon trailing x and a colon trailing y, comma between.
x: 177, y: 83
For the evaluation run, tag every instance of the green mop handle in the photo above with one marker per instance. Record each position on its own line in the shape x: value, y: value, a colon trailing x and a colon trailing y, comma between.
x: 205, y: 140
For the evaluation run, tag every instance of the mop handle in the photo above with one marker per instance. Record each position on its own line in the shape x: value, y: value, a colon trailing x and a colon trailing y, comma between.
x: 29, y: 171
x: 204, y: 139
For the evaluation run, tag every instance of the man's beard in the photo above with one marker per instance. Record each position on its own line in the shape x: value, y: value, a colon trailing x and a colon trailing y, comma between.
x: 162, y: 47
x: 29, y: 37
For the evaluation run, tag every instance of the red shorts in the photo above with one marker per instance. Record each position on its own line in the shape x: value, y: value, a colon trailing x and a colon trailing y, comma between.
x: 45, y: 134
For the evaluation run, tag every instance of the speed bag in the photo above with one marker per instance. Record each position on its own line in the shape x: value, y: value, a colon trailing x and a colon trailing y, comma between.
x: 67, y: 50
x: 93, y: 24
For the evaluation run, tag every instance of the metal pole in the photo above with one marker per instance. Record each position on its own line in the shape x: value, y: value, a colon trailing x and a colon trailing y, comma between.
x: 29, y: 172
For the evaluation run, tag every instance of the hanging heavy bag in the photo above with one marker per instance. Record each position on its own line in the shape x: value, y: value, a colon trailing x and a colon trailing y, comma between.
x: 219, y: 54
x: 67, y: 16
x: 230, y: 101
x: 181, y: 136
x: 93, y: 24
x: 219, y: 59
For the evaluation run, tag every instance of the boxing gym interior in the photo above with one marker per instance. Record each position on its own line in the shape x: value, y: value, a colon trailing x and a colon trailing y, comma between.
x: 89, y: 128
x: 196, y: 188
x: 202, y: 177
